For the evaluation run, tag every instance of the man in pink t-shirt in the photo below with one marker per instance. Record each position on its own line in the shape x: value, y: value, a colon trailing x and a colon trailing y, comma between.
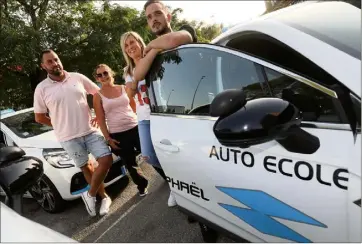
x: 64, y: 96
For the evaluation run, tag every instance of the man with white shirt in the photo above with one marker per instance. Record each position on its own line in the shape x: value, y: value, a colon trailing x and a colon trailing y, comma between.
x: 64, y: 96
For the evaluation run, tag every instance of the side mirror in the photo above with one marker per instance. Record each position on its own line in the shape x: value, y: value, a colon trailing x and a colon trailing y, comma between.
x: 227, y: 102
x: 263, y: 120
x: 17, y: 174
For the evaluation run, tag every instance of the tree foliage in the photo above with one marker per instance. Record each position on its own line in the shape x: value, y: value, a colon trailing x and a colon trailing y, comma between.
x: 83, y: 33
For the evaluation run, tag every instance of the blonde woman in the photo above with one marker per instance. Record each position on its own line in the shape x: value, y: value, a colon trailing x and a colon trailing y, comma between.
x: 133, y: 47
x: 112, y: 104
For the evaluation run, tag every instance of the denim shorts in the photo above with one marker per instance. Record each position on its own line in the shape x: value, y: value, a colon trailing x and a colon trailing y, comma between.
x: 147, y: 149
x: 79, y: 148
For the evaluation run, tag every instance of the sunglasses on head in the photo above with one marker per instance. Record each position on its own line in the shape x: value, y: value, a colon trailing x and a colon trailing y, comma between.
x: 105, y: 74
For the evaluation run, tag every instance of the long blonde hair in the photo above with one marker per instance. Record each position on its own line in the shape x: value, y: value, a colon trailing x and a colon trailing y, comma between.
x: 130, y: 65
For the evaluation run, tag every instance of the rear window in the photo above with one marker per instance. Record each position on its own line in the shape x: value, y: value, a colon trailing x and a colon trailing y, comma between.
x: 24, y: 125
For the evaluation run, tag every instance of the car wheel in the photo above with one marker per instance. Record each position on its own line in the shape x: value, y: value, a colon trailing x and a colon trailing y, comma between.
x: 47, y: 195
x: 208, y: 235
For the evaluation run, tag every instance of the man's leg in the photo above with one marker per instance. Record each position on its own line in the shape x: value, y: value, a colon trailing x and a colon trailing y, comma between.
x: 88, y: 171
x: 76, y: 149
x: 98, y: 147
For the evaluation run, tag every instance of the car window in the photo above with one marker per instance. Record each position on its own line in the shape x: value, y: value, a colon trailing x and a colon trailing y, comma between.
x: 315, y: 105
x: 185, y: 81
x: 24, y: 125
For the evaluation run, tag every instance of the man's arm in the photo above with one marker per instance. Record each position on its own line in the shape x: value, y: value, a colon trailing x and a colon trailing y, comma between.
x: 40, y: 108
x: 43, y: 119
x: 170, y: 40
x: 143, y: 66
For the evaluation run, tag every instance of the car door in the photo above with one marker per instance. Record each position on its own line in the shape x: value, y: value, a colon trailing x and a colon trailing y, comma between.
x: 184, y: 82
x: 261, y: 193
x: 330, y: 178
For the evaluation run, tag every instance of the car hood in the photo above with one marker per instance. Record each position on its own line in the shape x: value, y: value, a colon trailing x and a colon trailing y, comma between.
x: 45, y: 140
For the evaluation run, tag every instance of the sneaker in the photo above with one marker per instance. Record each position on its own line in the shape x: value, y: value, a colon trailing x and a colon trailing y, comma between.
x: 144, y: 192
x: 171, y: 200
x: 90, y: 203
x: 106, y: 203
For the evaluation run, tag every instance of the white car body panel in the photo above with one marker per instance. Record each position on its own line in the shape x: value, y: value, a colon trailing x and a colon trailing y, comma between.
x: 309, y: 197
x: 310, y: 47
x: 16, y: 228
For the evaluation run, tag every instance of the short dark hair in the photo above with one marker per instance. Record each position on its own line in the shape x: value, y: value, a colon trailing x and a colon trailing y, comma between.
x: 44, y: 52
x: 149, y: 2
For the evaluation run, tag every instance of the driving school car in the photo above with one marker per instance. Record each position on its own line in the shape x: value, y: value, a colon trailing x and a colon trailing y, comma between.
x: 62, y: 181
x: 259, y: 131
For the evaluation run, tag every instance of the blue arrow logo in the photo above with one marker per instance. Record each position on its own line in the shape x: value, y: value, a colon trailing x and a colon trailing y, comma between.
x: 262, y: 208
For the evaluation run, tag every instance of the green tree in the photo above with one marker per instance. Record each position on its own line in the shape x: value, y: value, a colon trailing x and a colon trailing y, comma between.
x: 83, y: 33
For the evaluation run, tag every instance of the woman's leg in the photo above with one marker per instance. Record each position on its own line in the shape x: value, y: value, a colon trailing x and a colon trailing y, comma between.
x: 149, y: 151
x: 128, y: 154
x: 146, y: 143
x: 147, y: 148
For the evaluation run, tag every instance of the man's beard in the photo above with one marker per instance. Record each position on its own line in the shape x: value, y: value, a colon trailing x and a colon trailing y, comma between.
x: 55, y: 72
x: 163, y: 31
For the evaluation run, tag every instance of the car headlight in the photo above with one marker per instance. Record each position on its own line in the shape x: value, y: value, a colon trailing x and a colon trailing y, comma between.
x: 58, y: 158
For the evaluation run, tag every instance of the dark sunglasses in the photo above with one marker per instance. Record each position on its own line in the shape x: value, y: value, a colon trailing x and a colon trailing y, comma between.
x: 105, y: 74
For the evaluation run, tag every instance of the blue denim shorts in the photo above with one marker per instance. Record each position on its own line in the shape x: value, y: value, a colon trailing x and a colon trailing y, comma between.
x: 147, y: 148
x: 79, y: 148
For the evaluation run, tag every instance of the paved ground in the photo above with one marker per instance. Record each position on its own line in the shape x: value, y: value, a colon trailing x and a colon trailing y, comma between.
x: 131, y: 219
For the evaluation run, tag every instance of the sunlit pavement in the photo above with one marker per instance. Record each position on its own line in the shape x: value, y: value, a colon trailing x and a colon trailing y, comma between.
x: 131, y: 218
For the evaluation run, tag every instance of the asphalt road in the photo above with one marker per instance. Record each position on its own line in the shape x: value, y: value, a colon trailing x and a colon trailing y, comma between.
x: 131, y: 218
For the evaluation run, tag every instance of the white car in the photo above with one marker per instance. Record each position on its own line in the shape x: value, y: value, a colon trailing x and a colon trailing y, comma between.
x: 16, y: 228
x: 62, y: 181
x: 259, y: 172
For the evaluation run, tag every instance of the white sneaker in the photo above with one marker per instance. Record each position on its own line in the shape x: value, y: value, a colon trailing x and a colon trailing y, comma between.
x: 171, y: 200
x: 106, y: 203
x: 90, y: 203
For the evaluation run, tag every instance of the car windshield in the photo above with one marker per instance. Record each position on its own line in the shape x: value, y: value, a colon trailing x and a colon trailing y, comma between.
x: 24, y: 125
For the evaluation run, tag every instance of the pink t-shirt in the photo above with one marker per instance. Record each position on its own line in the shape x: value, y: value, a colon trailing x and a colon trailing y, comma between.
x: 66, y: 102
x: 119, y: 114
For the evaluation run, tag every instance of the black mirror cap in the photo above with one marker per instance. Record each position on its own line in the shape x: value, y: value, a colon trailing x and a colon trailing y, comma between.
x: 11, y: 153
x: 227, y: 102
x: 259, y: 121
x: 18, y: 176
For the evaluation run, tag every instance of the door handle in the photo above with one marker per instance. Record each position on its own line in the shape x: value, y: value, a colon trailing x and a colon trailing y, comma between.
x: 166, y: 145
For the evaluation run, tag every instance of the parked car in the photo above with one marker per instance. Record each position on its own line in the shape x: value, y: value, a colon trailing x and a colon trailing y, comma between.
x: 16, y: 228
x: 62, y: 181
x: 279, y: 159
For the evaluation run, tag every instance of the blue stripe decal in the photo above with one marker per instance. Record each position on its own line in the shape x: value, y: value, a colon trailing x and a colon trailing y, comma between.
x: 262, y: 208
x: 81, y: 190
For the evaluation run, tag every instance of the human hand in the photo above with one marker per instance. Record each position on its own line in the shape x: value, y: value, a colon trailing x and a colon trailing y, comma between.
x: 94, y: 122
x: 151, y: 49
x: 147, y: 49
x: 113, y: 143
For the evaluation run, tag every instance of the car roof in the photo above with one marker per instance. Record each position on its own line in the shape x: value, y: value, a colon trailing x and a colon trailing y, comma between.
x: 7, y: 115
x: 330, y: 32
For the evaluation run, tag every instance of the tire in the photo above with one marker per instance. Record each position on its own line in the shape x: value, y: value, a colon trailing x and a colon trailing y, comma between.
x: 208, y: 235
x: 47, y: 196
